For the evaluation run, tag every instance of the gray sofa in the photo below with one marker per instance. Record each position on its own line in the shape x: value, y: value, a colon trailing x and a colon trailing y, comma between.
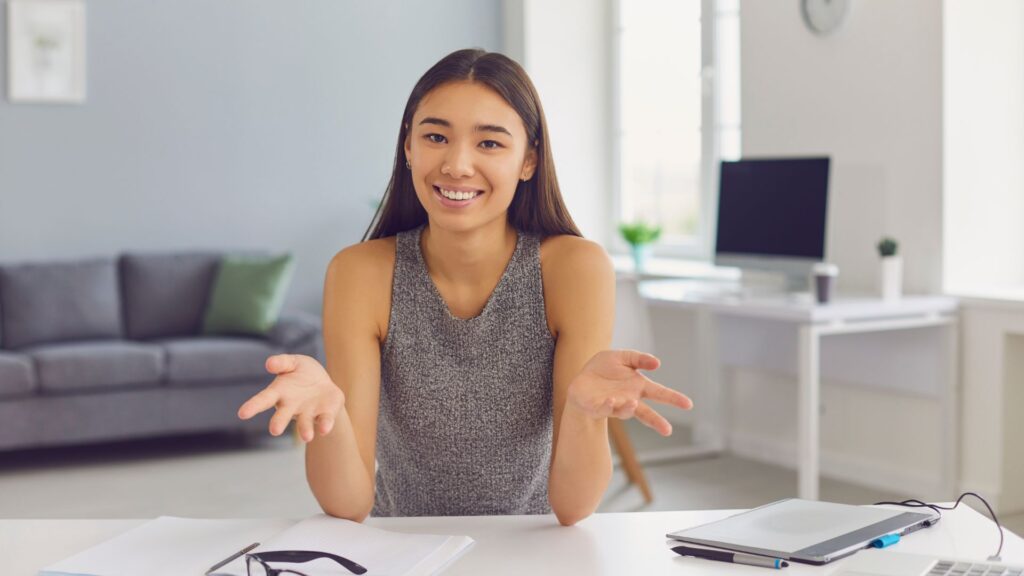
x: 106, y: 349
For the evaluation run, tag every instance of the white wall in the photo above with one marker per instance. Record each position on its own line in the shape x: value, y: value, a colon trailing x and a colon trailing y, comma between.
x: 984, y: 144
x: 992, y: 455
x: 566, y: 49
x: 870, y: 96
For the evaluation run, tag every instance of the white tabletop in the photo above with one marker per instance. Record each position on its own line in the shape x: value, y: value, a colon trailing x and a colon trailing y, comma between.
x: 790, y: 307
x: 619, y: 544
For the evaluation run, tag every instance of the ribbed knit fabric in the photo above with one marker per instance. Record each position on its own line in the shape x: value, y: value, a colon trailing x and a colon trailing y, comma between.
x: 464, y: 426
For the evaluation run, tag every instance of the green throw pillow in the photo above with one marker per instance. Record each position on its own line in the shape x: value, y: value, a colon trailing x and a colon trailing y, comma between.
x: 247, y: 295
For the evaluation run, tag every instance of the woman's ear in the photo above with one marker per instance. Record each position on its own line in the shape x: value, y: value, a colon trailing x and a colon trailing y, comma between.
x: 408, y: 142
x: 529, y: 164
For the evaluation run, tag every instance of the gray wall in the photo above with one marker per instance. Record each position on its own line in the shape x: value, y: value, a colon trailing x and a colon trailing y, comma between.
x: 224, y: 124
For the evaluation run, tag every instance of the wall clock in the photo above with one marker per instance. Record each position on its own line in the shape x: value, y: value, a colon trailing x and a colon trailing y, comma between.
x: 824, y: 16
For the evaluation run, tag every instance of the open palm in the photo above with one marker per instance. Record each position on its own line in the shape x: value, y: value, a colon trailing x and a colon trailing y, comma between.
x: 302, y: 391
x: 611, y: 385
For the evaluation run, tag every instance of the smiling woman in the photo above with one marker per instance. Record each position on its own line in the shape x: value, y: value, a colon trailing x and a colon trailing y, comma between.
x: 466, y: 335
x: 461, y: 155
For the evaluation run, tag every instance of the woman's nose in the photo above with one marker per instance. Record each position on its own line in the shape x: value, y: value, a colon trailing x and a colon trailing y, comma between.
x: 458, y: 162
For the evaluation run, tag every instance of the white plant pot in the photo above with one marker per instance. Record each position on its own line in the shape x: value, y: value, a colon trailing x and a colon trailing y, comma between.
x: 892, y: 277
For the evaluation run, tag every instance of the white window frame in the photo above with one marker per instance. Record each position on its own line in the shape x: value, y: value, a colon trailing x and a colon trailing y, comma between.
x: 710, y: 139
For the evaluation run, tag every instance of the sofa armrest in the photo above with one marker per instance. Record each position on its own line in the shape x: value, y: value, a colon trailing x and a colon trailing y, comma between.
x: 297, y: 332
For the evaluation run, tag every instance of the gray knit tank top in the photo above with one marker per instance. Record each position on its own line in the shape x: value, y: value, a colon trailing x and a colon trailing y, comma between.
x: 465, y: 420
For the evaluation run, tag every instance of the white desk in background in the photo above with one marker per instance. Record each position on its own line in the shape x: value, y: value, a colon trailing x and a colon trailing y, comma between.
x: 615, y: 544
x: 812, y: 322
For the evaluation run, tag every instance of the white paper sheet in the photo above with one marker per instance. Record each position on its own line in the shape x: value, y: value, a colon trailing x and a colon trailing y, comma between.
x: 168, y: 546
x: 381, y: 552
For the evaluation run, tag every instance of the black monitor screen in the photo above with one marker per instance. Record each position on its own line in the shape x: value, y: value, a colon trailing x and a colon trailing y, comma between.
x: 773, y: 207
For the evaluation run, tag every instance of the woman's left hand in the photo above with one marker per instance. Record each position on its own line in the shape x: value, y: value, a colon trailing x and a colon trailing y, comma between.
x: 610, y: 385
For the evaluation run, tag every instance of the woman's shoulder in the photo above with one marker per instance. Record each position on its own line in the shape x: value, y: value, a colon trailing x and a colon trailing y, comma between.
x: 570, y: 260
x: 367, y: 262
x: 575, y: 272
x: 565, y: 253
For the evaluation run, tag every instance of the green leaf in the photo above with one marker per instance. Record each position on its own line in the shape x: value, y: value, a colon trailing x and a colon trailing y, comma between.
x: 639, y: 233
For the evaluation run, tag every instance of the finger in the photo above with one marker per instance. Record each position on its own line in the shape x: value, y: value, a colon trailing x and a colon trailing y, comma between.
x: 639, y: 360
x: 325, y: 423
x: 280, y: 420
x: 265, y: 399
x: 666, y: 395
x: 305, y: 425
x: 652, y: 419
x: 280, y: 363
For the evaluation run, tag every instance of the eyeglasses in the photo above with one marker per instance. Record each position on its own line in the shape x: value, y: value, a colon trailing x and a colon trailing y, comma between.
x: 256, y: 564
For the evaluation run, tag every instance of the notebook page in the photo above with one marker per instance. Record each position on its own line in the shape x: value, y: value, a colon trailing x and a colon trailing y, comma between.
x: 167, y: 546
x: 381, y: 552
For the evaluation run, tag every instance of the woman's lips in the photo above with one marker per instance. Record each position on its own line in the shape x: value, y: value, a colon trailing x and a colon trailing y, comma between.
x: 449, y: 203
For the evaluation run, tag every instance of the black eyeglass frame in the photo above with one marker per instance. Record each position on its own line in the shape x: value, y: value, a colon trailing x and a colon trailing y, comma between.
x: 297, y: 556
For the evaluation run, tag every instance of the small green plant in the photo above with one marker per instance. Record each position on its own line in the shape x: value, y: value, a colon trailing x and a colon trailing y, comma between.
x: 639, y: 233
x: 887, y: 247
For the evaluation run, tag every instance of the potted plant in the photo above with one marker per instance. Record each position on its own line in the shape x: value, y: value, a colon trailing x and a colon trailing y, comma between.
x: 639, y: 235
x: 892, y: 269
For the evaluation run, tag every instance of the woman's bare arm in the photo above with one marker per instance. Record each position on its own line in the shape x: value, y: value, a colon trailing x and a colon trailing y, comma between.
x: 591, y: 383
x: 580, y: 294
x: 340, y: 465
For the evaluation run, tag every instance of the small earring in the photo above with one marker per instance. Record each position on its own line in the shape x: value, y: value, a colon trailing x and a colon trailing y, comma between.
x: 407, y: 165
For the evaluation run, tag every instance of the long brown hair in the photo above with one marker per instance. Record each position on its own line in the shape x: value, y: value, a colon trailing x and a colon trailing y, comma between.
x: 537, y: 206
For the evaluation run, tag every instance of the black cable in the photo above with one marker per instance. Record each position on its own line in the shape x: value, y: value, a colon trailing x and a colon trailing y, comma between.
x: 915, y: 503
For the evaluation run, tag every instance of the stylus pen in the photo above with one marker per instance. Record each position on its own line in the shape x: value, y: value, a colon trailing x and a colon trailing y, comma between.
x: 232, y: 557
x: 734, y: 557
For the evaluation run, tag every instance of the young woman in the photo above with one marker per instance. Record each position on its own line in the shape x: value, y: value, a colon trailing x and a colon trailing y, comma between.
x: 466, y: 336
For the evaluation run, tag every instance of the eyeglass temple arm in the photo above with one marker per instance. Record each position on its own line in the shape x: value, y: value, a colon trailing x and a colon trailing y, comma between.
x: 299, y: 556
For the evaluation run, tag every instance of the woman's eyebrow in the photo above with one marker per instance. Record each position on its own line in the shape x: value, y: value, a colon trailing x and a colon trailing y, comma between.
x: 478, y: 127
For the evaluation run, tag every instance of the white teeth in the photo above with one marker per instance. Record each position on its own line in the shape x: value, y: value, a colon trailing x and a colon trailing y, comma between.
x: 455, y: 195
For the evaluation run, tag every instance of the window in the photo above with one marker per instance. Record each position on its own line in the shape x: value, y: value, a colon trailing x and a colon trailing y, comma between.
x: 677, y: 73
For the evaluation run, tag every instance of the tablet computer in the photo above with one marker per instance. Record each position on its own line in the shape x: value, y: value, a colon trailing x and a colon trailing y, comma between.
x: 805, y: 531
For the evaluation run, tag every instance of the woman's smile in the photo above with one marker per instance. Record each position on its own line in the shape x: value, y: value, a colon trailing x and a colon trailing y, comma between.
x: 456, y: 196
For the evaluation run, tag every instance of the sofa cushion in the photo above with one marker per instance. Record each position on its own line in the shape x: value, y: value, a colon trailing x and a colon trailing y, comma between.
x: 248, y: 294
x: 97, y: 365
x: 59, y: 301
x: 211, y: 358
x: 165, y: 295
x: 17, y: 378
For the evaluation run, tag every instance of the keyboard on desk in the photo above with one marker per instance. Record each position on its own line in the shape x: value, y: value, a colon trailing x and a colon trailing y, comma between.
x: 954, y: 568
x: 889, y: 563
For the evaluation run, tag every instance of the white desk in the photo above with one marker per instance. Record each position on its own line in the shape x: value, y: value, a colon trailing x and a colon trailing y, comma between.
x: 812, y: 322
x: 614, y: 544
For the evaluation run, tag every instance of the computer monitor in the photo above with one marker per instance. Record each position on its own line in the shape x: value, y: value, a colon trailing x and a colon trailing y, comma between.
x: 771, y: 216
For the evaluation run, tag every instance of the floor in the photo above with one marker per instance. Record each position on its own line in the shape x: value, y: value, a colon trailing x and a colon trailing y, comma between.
x: 225, y: 476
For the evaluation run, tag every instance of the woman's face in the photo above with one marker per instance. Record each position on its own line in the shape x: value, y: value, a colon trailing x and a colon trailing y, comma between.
x: 468, y: 150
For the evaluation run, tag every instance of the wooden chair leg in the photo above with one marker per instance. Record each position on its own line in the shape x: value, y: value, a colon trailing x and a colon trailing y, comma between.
x: 635, y: 474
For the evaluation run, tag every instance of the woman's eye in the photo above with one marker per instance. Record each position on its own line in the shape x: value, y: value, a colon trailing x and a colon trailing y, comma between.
x: 436, y: 138
x: 490, y: 144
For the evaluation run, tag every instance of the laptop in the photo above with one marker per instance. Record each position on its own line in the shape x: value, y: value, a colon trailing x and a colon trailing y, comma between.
x: 807, y: 531
x: 888, y: 563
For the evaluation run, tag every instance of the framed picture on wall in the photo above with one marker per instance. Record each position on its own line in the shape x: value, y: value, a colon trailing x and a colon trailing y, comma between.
x: 46, y: 51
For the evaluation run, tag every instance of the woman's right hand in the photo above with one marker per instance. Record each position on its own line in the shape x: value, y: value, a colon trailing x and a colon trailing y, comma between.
x: 302, y: 391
